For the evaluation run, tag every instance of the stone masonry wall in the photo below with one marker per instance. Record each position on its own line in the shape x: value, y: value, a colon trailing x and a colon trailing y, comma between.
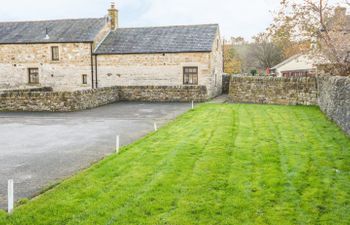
x: 56, y: 101
x: 47, y: 100
x: 63, y: 75
x: 161, y: 69
x: 153, y: 70
x: 216, y: 67
x: 273, y: 90
x: 163, y: 93
x: 334, y: 99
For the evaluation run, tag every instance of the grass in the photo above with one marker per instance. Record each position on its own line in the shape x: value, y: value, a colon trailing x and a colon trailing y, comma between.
x: 217, y: 164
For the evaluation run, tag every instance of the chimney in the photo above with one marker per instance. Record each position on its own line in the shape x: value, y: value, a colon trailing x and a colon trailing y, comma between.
x: 113, y: 17
x: 340, y: 12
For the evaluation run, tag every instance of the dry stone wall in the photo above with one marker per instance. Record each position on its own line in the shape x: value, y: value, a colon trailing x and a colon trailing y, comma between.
x: 273, y: 90
x: 331, y: 93
x: 38, y: 100
x: 334, y: 100
x: 47, y: 100
x: 163, y: 93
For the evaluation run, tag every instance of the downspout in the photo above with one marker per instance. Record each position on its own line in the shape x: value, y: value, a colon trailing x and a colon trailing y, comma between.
x: 96, y: 71
x: 92, y: 67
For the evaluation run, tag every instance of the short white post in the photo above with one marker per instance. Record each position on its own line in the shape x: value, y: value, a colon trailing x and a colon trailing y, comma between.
x: 192, y: 105
x: 117, y: 145
x: 155, y: 126
x: 10, y: 196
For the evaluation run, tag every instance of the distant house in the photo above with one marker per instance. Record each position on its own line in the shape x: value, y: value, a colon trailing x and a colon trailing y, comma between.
x: 299, y: 65
x: 75, y: 54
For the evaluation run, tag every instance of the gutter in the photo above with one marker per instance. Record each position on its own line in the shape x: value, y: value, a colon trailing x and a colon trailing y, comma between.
x: 148, y: 53
x: 41, y: 43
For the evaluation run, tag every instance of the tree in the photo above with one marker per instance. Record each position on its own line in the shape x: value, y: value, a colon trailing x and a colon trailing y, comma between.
x: 316, y: 22
x: 232, y: 62
x: 267, y: 53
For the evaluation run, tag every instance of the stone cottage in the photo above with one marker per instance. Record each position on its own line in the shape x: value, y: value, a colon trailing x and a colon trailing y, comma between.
x: 76, y: 54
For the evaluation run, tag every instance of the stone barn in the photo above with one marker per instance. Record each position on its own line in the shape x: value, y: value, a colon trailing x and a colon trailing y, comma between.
x: 79, y: 54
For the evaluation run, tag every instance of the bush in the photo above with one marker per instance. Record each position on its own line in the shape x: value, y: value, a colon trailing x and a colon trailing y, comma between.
x: 253, y: 72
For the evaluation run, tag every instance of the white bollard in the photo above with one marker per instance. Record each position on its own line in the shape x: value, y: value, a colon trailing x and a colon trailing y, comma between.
x: 117, y: 145
x: 10, y: 196
x: 155, y: 127
x: 192, y: 105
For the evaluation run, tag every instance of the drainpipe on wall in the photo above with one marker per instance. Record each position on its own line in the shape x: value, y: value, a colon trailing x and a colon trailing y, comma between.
x: 92, y: 67
x: 96, y: 71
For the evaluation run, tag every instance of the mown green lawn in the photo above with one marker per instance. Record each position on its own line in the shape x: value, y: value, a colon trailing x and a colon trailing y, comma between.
x: 217, y: 164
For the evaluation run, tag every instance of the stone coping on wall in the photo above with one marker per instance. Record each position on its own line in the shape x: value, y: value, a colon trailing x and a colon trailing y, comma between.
x: 26, y: 90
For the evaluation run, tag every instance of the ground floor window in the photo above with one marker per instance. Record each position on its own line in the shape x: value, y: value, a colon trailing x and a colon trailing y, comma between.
x: 33, y: 76
x: 190, y: 75
x: 85, y: 79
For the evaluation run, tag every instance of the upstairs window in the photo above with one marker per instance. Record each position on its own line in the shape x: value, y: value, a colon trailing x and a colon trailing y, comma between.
x: 191, y: 75
x: 33, y: 76
x: 55, y: 54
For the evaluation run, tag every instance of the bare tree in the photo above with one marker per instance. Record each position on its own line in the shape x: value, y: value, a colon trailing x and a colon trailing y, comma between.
x: 265, y: 52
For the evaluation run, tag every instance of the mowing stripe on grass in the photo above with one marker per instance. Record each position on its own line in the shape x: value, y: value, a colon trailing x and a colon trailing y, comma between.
x: 216, y: 164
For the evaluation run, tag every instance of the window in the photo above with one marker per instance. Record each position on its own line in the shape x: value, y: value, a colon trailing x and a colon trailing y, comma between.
x: 190, y: 75
x: 84, y: 79
x: 33, y: 76
x: 55, y: 54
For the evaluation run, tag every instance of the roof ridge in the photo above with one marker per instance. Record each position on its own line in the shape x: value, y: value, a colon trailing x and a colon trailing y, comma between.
x: 52, y: 20
x: 166, y: 26
x: 287, y: 60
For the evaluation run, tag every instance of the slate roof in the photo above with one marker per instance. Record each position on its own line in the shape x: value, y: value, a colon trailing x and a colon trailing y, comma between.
x: 68, y: 30
x: 172, y: 39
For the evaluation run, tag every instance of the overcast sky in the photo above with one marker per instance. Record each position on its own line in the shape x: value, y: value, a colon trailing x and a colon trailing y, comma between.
x: 236, y: 17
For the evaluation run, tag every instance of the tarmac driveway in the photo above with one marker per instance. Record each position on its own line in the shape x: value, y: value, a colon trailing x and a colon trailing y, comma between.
x: 39, y: 149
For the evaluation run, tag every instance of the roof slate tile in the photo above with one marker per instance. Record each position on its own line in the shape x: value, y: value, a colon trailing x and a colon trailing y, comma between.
x: 172, y: 39
x: 67, y: 30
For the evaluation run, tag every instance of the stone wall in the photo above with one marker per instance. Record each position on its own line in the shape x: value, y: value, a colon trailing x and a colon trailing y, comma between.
x: 56, y: 101
x: 156, y: 70
x: 273, y: 90
x: 163, y: 93
x: 160, y: 69
x: 39, y: 100
x: 63, y: 75
x: 334, y: 99
x: 216, y: 67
